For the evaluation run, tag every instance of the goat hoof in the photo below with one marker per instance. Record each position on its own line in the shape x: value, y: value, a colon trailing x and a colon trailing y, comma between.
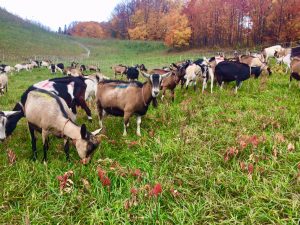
x: 90, y: 118
x: 138, y: 134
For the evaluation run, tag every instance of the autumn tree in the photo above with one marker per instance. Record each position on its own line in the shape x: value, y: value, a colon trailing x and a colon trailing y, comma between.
x: 178, y: 32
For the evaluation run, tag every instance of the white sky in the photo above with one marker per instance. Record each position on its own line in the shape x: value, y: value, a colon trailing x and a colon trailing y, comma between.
x: 57, y: 13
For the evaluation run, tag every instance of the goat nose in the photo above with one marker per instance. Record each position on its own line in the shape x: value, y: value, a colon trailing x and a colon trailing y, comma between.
x: 156, y: 92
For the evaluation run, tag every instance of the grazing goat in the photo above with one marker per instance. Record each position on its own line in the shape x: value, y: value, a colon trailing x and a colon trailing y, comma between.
x: 120, y: 69
x: 232, y: 71
x: 295, y: 70
x: 3, y: 83
x: 270, y: 51
x: 121, y: 98
x: 20, y: 67
x: 45, y: 63
x: 286, y: 60
x: 49, y: 114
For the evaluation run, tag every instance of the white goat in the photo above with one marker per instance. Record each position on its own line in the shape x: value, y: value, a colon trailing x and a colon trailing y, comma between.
x: 3, y: 83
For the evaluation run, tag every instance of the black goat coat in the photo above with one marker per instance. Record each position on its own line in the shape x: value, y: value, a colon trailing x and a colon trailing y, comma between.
x: 227, y: 71
x: 132, y: 73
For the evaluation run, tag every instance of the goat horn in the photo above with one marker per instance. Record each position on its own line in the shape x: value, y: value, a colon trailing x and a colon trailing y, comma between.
x: 96, y: 132
x: 166, y: 75
x: 145, y: 74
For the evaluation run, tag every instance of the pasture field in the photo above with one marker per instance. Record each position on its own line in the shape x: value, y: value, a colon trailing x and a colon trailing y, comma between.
x: 219, y: 158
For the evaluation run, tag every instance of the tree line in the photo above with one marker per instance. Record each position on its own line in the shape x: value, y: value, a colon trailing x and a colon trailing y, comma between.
x: 198, y: 23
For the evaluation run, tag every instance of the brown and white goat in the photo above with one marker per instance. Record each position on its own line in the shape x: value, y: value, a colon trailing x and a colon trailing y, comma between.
x: 125, y: 99
x: 49, y: 114
x: 3, y: 83
x: 170, y: 82
x: 120, y: 69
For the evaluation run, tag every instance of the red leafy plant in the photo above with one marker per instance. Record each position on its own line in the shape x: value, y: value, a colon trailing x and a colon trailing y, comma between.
x: 103, y: 177
x: 156, y: 190
x: 137, y: 174
x: 65, y: 183
x: 11, y: 157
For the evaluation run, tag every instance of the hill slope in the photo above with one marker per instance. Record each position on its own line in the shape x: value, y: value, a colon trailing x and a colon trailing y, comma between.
x: 20, y: 39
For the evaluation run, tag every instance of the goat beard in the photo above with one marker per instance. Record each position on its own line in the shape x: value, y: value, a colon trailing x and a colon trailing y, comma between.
x: 154, y: 102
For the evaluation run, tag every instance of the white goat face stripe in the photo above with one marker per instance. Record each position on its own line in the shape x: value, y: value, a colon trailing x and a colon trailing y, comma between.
x: 155, y: 84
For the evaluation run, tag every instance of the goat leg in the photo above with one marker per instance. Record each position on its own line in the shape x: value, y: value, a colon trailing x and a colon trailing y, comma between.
x: 66, y: 149
x: 173, y: 95
x: 138, y: 122
x: 33, y: 141
x: 126, y: 121
x: 45, y: 144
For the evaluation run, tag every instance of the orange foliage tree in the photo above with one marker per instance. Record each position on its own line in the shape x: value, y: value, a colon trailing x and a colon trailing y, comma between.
x: 88, y: 29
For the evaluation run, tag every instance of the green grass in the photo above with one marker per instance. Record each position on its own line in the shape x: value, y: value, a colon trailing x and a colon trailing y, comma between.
x: 182, y: 147
x: 21, y: 40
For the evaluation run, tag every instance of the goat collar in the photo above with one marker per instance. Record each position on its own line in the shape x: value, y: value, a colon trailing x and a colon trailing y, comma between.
x: 143, y: 96
x: 68, y: 120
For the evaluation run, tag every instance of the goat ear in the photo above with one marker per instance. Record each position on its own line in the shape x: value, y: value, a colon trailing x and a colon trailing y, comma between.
x: 166, y: 75
x: 145, y: 74
x: 83, y: 131
x: 173, y: 64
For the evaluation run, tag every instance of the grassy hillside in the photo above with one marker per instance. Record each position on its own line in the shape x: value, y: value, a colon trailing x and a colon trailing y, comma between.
x: 21, y: 39
x: 183, y: 147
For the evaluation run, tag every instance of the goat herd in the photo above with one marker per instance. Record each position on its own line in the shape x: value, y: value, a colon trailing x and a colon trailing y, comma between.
x: 50, y: 106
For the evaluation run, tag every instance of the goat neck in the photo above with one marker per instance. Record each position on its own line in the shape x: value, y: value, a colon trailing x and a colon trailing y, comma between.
x: 70, y: 130
x: 147, y: 93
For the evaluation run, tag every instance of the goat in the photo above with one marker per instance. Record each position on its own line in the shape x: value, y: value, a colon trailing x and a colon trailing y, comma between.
x: 69, y: 71
x: 3, y: 83
x: 8, y: 121
x: 54, y: 68
x: 232, y: 71
x: 45, y: 63
x: 71, y: 89
x: 295, y: 70
x: 121, y: 98
x: 170, y: 82
x: 120, y: 69
x: 132, y: 73
x: 285, y: 60
x: 142, y: 68
x: 252, y: 61
x: 82, y: 68
x: 270, y: 51
x: 192, y: 71
x: 93, y: 68
x: 20, y: 67
x: 49, y: 114
x: 91, y: 82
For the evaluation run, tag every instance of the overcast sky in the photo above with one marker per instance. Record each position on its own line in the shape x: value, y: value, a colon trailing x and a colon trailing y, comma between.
x: 57, y: 13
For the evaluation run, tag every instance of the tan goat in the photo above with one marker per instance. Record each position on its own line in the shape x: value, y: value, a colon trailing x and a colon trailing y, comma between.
x: 49, y: 114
